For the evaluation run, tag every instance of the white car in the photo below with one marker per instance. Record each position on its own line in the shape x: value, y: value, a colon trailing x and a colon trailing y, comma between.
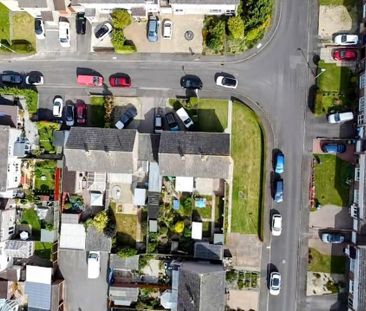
x: 58, y: 104
x: 167, y: 29
x: 340, y: 117
x: 39, y: 28
x: 275, y: 284
x: 103, y: 31
x: 93, y: 265
x: 64, y: 33
x: 228, y: 82
x: 346, y: 39
x: 183, y: 115
x: 34, y: 79
x: 276, y: 225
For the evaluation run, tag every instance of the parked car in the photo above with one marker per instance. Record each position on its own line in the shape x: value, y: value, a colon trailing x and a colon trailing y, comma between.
x: 346, y: 39
x: 12, y: 78
x: 340, y: 117
x: 39, y: 28
x: 344, y: 54
x: 58, y: 104
x: 332, y: 238
x: 228, y: 82
x: 279, y: 163
x: 276, y: 224
x: 120, y: 81
x: 64, y: 33
x: 126, y: 118
x: 93, y: 265
x: 334, y: 148
x: 152, y: 29
x: 81, y: 112
x: 103, y: 31
x: 278, y: 191
x: 167, y: 29
x: 34, y: 79
x: 275, y: 283
x: 158, y: 123
x: 90, y: 80
x: 171, y: 121
x: 80, y: 23
x: 70, y: 115
x: 183, y: 115
x: 191, y: 82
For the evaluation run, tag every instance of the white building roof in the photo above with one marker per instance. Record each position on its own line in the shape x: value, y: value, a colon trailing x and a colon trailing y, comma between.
x: 139, y: 196
x: 96, y: 199
x: 72, y: 236
x: 197, y: 230
x: 39, y: 274
x: 184, y: 184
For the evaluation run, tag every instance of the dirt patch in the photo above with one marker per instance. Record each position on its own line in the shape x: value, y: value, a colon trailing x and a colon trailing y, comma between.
x: 323, y: 283
x: 243, y: 300
x: 334, y: 19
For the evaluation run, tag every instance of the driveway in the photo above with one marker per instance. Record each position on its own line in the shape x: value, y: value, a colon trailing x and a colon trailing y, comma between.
x: 177, y: 44
x: 81, y: 293
x: 348, y: 155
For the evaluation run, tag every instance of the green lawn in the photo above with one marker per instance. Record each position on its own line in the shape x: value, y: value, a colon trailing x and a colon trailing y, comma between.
x: 126, y: 226
x: 209, y: 115
x: 206, y: 229
x: 23, y: 27
x: 247, y: 153
x: 204, y: 212
x: 219, y: 210
x: 43, y: 249
x: 45, y: 176
x: 4, y: 23
x: 331, y: 175
x: 45, y: 132
x: 346, y: 3
x: 336, y: 88
x: 325, y: 263
x: 96, y: 111
x: 30, y: 217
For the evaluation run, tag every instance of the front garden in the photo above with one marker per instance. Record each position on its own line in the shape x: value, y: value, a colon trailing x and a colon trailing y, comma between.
x: 324, y: 263
x: 241, y: 279
x: 45, y: 132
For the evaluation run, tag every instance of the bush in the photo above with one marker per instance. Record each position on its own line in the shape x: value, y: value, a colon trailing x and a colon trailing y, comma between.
x: 121, y: 18
x: 100, y: 221
x: 144, y: 260
x: 126, y: 49
x: 216, y: 34
x: 256, y: 12
x: 179, y: 227
x: 118, y: 39
x: 127, y: 252
x: 231, y: 276
x: 236, y: 27
x: 31, y: 97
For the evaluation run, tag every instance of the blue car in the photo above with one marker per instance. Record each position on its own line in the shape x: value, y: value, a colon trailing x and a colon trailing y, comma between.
x: 334, y: 148
x: 152, y: 29
x: 279, y: 163
x: 278, y: 197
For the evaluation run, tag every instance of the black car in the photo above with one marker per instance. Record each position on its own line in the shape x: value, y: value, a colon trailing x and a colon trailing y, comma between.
x: 126, y: 118
x: 70, y: 115
x: 191, y: 82
x: 171, y: 121
x: 12, y: 78
x: 80, y: 23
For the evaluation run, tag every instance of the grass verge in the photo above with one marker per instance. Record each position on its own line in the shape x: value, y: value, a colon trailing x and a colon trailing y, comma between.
x: 209, y: 115
x: 23, y: 27
x: 325, y: 263
x: 246, y: 198
x: 331, y: 174
x: 96, y: 111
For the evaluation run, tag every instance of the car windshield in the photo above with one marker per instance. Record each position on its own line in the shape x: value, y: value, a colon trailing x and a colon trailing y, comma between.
x: 337, y: 117
x: 34, y: 79
x: 275, y: 282
x: 344, y: 38
x: 187, y: 121
x: 229, y: 81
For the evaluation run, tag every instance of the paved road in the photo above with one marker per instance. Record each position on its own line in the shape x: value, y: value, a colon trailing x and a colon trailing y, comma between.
x: 276, y: 79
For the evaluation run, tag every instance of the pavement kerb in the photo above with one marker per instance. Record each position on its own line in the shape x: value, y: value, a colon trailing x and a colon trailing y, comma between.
x: 158, y: 57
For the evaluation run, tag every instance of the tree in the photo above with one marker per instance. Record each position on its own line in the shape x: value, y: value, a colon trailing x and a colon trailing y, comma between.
x: 121, y: 18
x: 127, y: 252
x: 216, y: 34
x: 100, y: 221
x: 118, y: 39
x: 236, y: 27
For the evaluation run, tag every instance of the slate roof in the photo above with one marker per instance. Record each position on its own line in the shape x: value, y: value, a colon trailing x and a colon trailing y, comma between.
x: 206, y: 2
x: 130, y: 263
x: 204, y: 250
x: 9, y: 115
x: 4, y: 138
x: 39, y: 295
x: 201, y: 287
x: 4, y: 293
x: 100, y: 150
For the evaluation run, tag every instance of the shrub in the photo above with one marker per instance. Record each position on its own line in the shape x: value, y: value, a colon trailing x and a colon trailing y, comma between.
x: 231, y: 276
x: 126, y: 49
x: 108, y: 105
x: 236, y: 27
x: 100, y: 221
x: 144, y: 260
x: 256, y: 12
x: 127, y: 252
x: 179, y: 227
x: 121, y: 18
x: 118, y: 39
x: 216, y: 34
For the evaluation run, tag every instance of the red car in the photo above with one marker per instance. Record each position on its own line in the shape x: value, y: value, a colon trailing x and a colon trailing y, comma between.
x: 80, y: 112
x: 120, y: 81
x: 344, y: 54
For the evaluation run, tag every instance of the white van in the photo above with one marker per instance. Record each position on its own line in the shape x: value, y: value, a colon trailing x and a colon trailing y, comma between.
x: 183, y: 115
x: 93, y: 265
